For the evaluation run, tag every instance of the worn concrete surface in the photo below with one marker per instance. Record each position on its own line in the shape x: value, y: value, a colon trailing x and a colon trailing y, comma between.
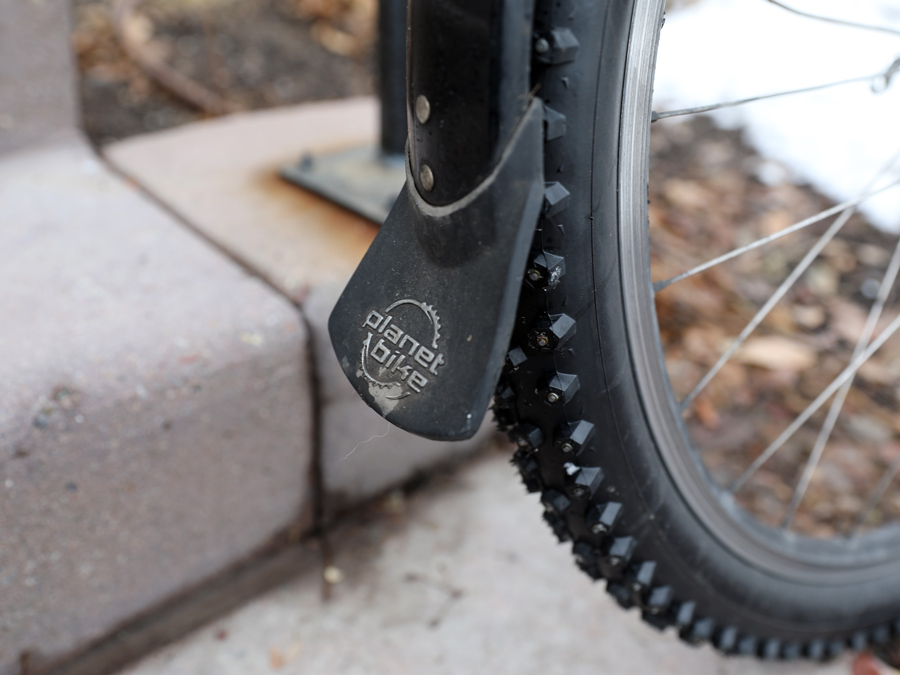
x: 155, y: 413
x: 221, y: 176
x: 38, y: 99
x: 361, y: 453
x: 461, y: 578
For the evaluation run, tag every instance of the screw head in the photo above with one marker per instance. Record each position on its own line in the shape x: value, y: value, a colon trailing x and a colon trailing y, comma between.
x: 423, y: 108
x: 567, y: 447
x: 552, y: 397
x: 597, y: 528
x: 579, y: 491
x: 426, y: 177
x: 541, y: 46
x: 542, y: 340
x: 534, y: 275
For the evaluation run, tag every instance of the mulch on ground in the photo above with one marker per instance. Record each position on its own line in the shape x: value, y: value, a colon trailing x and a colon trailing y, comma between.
x: 711, y: 193
x: 251, y: 53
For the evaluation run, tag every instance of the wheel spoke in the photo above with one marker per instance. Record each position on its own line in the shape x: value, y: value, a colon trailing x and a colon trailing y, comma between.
x: 840, y: 22
x: 655, y: 116
x: 811, y: 409
x: 880, y: 81
x: 763, y: 312
x: 887, y: 283
x: 812, y: 220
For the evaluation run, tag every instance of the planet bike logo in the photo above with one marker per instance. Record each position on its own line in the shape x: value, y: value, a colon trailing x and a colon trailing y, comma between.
x: 400, y: 351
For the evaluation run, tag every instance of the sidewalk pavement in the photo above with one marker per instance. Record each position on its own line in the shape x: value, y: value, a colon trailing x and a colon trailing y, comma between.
x: 462, y: 577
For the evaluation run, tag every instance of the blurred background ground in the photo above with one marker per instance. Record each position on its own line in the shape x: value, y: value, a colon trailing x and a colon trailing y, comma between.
x: 250, y: 54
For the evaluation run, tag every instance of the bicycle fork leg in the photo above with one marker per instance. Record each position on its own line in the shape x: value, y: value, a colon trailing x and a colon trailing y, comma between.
x: 423, y: 326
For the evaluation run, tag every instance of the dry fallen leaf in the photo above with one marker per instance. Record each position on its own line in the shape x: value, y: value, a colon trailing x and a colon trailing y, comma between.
x: 822, y: 279
x: 776, y: 221
x: 706, y: 412
x: 876, y: 372
x: 687, y: 195
x: 776, y: 353
x: 138, y: 28
x: 872, y: 256
x: 847, y: 319
x: 780, y: 320
x: 335, y: 40
x: 867, y: 429
x: 703, y: 342
x: 276, y: 659
x: 280, y: 658
x: 810, y: 317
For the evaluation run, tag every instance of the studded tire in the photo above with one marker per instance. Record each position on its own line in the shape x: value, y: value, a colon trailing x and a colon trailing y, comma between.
x: 571, y: 397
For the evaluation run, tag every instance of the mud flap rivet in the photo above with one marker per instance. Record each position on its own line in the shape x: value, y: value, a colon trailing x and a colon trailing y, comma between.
x: 426, y: 177
x: 423, y: 109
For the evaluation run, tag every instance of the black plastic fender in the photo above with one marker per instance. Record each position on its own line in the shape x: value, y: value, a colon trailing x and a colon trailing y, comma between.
x: 470, y: 60
x: 423, y: 326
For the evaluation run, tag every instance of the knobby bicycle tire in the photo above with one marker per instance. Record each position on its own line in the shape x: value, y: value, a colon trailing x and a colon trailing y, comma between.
x: 583, y: 393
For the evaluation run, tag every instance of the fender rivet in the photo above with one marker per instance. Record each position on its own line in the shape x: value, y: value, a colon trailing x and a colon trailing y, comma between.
x: 423, y: 109
x: 426, y: 177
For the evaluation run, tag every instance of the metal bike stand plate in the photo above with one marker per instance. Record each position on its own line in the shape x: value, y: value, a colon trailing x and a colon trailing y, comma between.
x: 367, y: 179
x: 362, y: 179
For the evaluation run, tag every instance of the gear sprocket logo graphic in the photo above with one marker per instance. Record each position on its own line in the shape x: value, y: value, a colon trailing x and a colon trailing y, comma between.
x: 401, y: 352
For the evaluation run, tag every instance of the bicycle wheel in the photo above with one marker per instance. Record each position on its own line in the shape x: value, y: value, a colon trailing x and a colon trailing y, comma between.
x: 587, y: 398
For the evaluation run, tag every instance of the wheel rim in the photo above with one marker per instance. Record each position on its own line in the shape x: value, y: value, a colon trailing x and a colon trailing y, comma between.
x: 840, y: 560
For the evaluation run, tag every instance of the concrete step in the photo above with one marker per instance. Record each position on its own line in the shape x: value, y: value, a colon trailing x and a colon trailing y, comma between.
x: 155, y: 413
x: 38, y: 84
x: 222, y: 177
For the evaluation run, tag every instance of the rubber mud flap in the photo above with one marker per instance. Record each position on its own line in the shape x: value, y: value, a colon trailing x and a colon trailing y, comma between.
x: 423, y: 326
